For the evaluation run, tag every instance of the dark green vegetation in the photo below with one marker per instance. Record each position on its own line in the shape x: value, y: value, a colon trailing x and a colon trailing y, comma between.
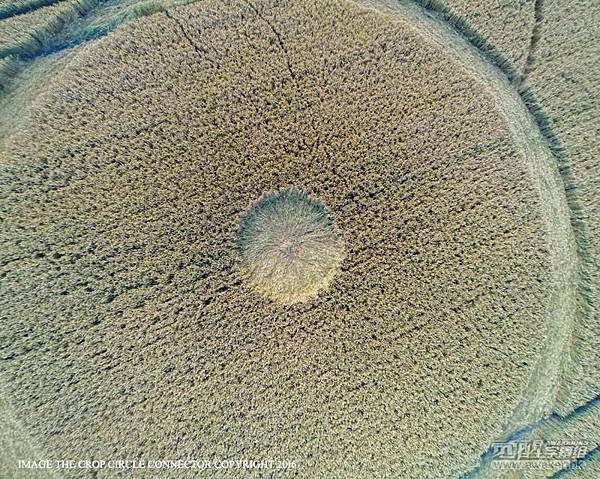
x: 131, y: 326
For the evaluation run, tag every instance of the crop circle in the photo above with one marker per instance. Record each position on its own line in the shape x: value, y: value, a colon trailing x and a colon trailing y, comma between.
x: 288, y: 246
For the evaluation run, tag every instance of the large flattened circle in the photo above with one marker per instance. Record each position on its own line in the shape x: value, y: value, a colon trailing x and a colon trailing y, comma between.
x: 130, y: 330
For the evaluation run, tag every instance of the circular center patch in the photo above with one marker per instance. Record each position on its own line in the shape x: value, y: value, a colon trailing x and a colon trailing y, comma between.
x: 288, y: 246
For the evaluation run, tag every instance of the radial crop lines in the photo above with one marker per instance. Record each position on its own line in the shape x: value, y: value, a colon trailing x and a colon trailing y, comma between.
x: 288, y: 246
x: 201, y: 51
x: 535, y: 37
x: 277, y: 36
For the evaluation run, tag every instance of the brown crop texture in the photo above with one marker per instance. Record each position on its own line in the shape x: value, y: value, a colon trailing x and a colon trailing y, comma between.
x: 130, y: 317
x: 556, y: 67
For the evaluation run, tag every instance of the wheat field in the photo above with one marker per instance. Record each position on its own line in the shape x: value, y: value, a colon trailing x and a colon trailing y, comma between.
x: 355, y: 238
